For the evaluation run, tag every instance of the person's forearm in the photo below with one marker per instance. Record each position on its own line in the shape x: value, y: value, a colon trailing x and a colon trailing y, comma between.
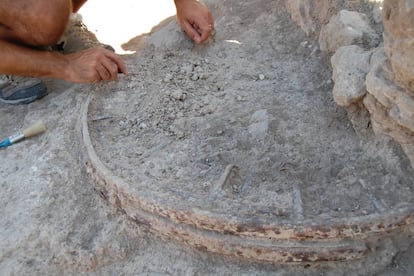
x: 178, y: 1
x: 77, y: 4
x: 22, y: 61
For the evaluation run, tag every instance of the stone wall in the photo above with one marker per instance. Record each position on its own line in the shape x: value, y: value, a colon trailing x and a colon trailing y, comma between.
x: 398, y: 18
x: 371, y: 45
x: 311, y: 15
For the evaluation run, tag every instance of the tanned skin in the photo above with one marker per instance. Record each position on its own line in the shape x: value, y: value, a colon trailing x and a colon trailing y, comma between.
x: 28, y: 26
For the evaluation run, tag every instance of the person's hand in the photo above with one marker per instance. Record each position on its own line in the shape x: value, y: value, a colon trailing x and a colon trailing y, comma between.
x: 195, y: 19
x: 93, y: 65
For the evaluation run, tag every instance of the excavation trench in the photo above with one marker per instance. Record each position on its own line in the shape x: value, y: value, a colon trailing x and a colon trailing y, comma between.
x: 237, y: 147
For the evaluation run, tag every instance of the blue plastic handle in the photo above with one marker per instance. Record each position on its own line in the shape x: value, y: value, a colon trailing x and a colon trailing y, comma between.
x: 5, y: 143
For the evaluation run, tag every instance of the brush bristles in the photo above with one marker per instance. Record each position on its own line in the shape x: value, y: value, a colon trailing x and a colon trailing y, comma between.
x: 34, y: 129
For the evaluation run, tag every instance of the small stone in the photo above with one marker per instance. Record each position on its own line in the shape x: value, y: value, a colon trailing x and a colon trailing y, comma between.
x: 178, y: 95
x: 168, y: 77
x: 261, y: 77
x: 123, y: 123
x: 180, y: 134
x: 180, y: 115
x: 195, y: 77
x: 187, y: 69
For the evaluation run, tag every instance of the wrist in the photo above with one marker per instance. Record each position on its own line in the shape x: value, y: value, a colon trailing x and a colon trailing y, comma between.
x: 60, y: 66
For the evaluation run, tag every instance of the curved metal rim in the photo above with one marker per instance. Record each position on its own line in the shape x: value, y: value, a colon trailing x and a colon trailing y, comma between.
x: 355, y: 227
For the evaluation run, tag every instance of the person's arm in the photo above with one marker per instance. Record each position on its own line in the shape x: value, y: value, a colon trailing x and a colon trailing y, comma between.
x: 87, y: 66
x: 195, y: 19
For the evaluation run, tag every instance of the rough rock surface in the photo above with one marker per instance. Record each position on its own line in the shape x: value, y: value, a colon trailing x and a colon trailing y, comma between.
x: 347, y: 28
x: 300, y: 11
x: 381, y: 84
x: 391, y: 106
x: 399, y: 39
x: 390, y: 78
x: 311, y: 16
x: 350, y: 65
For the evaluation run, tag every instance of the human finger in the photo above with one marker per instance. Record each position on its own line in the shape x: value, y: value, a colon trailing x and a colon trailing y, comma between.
x: 191, y: 31
x: 111, y: 67
x: 205, y: 31
x: 205, y: 25
x: 118, y: 62
x: 103, y: 73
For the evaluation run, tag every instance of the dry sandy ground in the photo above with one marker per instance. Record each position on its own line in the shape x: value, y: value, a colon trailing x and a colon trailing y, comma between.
x: 54, y: 223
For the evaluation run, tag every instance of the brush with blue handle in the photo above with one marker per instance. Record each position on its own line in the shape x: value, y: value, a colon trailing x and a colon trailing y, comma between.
x: 29, y: 132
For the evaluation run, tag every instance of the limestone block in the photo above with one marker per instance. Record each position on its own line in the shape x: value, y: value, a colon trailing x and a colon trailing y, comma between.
x: 380, y: 84
x: 383, y: 124
x: 300, y: 11
x: 347, y: 28
x: 398, y: 18
x: 309, y: 15
x: 350, y: 66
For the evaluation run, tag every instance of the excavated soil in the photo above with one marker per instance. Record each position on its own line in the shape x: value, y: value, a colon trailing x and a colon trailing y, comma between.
x: 243, y: 129
x: 242, y: 137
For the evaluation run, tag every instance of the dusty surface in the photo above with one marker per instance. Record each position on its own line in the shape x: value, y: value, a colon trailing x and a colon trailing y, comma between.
x: 260, y: 102
x: 53, y: 222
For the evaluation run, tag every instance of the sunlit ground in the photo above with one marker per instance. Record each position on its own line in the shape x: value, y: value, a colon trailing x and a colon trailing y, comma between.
x: 116, y: 22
